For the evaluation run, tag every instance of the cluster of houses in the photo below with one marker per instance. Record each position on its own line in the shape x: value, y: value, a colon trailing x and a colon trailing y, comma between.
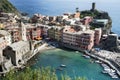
x: 17, y: 34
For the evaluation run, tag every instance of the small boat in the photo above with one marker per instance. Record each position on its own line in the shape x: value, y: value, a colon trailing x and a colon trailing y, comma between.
x: 105, y: 66
x: 88, y: 57
x: 98, y: 61
x: 62, y: 65
x: 112, y: 70
x: 104, y: 72
x: 115, y: 76
x: 76, y: 51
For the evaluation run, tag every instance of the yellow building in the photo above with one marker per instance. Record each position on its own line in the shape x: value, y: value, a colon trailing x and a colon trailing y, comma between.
x: 51, y: 33
x: 58, y: 33
x: 1, y: 25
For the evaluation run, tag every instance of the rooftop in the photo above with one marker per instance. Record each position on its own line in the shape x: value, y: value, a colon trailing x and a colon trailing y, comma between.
x: 70, y: 30
x: 3, y: 32
x: 97, y: 28
x: 19, y: 45
x: 2, y: 39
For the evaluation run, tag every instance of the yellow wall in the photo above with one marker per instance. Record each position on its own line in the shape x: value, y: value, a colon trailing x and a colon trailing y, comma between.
x: 1, y: 25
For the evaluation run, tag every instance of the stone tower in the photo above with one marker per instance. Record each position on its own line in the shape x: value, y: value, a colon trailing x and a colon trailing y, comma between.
x: 23, y: 31
x: 93, y: 6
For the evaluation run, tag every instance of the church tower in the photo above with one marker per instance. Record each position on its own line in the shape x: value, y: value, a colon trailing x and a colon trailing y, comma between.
x: 23, y: 31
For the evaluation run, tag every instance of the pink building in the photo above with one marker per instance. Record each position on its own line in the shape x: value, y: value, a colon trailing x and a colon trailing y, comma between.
x: 86, y: 20
x: 86, y: 40
x: 98, y: 33
x: 33, y: 33
x: 79, y: 40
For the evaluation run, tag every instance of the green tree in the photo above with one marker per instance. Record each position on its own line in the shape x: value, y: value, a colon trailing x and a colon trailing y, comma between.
x: 37, y: 74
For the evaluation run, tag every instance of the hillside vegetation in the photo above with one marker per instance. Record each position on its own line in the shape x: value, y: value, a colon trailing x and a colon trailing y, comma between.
x: 6, y: 6
x: 38, y: 74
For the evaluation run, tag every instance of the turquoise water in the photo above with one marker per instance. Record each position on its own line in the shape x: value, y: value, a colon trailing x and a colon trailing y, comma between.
x: 57, y: 7
x: 76, y: 65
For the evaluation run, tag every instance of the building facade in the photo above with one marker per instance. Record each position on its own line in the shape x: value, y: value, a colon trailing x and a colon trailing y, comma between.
x: 15, y: 32
x: 98, y: 34
x: 51, y: 33
x: 16, y: 52
x: 33, y: 32
x: 81, y: 40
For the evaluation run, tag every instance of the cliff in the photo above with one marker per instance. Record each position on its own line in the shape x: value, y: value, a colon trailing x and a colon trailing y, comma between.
x: 6, y: 6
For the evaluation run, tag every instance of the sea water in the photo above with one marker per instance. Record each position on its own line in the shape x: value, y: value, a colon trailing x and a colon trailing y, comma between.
x: 76, y: 64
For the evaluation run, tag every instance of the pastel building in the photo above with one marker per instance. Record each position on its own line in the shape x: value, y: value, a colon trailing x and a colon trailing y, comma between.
x: 86, y: 20
x: 58, y: 33
x: 45, y: 30
x: 98, y: 34
x: 55, y: 33
x: 15, y: 33
x: 51, y: 33
x: 1, y: 25
x: 33, y: 32
x: 78, y: 40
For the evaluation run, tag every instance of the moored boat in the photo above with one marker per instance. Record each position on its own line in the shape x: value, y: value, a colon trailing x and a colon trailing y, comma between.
x: 62, y: 65
x: 97, y: 61
x: 88, y: 57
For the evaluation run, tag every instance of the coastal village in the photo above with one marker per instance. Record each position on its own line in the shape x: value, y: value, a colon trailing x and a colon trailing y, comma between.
x: 21, y: 37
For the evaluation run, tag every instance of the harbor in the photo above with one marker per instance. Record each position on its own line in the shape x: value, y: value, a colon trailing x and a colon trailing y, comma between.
x: 66, y: 61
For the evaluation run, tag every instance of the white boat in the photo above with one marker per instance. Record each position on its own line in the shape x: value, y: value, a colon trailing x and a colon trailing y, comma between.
x: 106, y: 67
x: 62, y: 65
x: 88, y: 57
x: 112, y: 70
x: 115, y: 76
x: 76, y: 51
x: 97, y: 61
x: 104, y: 72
